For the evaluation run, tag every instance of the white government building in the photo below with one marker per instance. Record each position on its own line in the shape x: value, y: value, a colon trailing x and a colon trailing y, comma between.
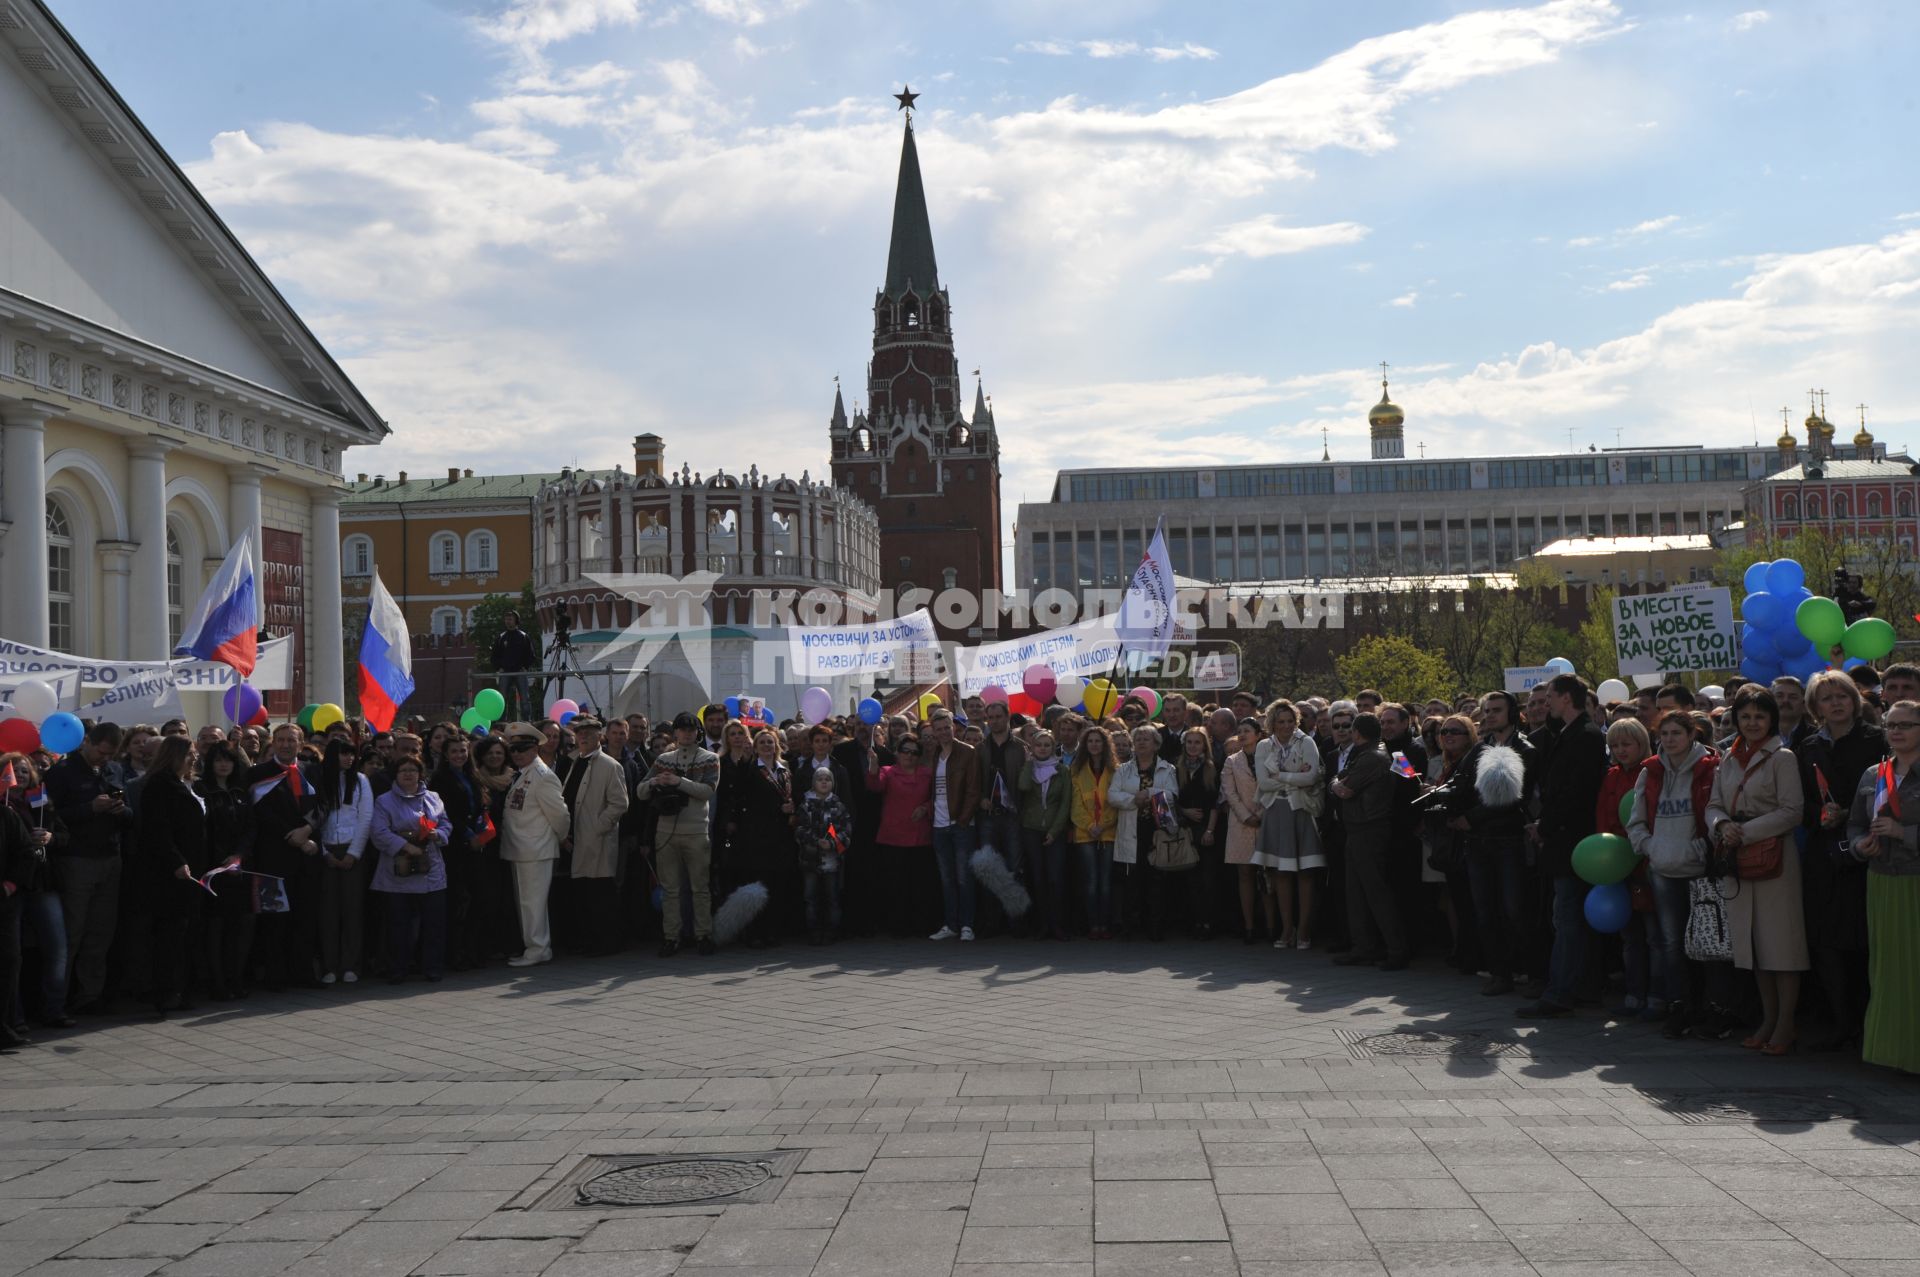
x: 158, y: 396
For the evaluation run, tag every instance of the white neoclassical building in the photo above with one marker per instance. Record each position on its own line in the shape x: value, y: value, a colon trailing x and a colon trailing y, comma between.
x: 158, y: 396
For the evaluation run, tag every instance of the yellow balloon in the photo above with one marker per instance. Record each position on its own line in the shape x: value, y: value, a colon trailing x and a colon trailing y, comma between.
x: 928, y: 703
x: 1100, y: 698
x: 327, y: 715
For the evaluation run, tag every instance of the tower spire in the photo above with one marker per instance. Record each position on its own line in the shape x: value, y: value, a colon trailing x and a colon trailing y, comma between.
x: 910, y: 253
x: 839, y: 421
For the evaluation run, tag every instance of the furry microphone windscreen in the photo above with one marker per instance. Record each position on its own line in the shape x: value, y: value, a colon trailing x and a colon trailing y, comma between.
x: 1502, y: 778
x: 738, y: 913
x: 994, y: 875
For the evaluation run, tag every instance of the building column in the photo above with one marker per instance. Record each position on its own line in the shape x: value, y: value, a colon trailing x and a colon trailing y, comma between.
x: 23, y: 497
x: 326, y: 660
x: 147, y: 520
x: 243, y: 518
x: 116, y: 569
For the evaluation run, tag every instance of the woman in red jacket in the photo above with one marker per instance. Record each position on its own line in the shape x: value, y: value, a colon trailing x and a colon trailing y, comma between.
x: 904, y: 842
x: 1629, y: 746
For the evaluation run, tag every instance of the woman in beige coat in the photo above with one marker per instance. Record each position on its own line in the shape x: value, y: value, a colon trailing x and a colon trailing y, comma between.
x: 1757, y: 795
x: 1240, y: 790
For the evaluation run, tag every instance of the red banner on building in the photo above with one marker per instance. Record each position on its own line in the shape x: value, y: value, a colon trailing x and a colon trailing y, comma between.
x: 283, y: 582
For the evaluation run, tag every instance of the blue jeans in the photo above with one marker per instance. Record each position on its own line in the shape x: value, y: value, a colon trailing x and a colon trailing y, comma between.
x: 952, y: 847
x: 1672, y: 903
x: 1569, y: 940
x: 1096, y: 876
x: 823, y: 900
x: 44, y: 919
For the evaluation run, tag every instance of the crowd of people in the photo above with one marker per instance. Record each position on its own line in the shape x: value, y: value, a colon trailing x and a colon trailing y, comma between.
x: 1773, y: 835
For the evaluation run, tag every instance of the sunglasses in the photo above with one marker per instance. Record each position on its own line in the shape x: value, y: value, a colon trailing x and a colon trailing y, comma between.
x: 909, y: 752
x: 1892, y: 726
x: 1453, y: 731
x: 522, y: 746
x: 1342, y: 724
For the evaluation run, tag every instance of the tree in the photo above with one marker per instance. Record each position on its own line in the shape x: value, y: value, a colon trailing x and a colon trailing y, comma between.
x: 489, y: 619
x: 1397, y: 667
x: 1592, y: 651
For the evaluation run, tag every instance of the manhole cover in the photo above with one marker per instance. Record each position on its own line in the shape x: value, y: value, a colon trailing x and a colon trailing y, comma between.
x: 673, y: 1183
x: 1703, y: 1108
x: 1434, y: 1042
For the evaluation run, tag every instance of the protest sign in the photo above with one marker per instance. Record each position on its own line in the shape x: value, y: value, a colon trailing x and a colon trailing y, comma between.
x: 1524, y: 678
x: 272, y: 671
x: 831, y: 651
x: 65, y: 685
x: 1086, y: 650
x: 1676, y: 630
x: 145, y: 698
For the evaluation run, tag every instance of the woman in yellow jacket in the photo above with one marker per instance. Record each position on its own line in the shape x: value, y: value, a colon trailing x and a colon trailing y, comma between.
x: 1094, y: 820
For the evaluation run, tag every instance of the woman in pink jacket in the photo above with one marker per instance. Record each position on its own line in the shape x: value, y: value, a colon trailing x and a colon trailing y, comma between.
x: 903, y: 844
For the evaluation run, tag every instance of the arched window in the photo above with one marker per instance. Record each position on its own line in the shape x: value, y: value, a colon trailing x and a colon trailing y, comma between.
x: 1874, y: 506
x: 60, y: 607
x: 1813, y: 505
x: 443, y: 552
x: 481, y: 552
x: 1840, y: 505
x: 175, y: 590
x: 1904, y: 504
x: 356, y: 556
x: 1789, y: 508
x: 446, y: 622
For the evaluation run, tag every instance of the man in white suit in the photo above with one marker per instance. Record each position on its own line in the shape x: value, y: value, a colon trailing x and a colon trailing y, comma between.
x: 536, y: 819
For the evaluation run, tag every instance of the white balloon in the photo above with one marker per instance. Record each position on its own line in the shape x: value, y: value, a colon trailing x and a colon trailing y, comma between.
x: 33, y: 700
x: 1713, y: 692
x: 1560, y: 665
x: 1612, y: 692
x: 1069, y: 691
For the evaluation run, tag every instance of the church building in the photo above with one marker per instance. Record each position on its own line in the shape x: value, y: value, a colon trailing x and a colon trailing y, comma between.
x: 930, y: 472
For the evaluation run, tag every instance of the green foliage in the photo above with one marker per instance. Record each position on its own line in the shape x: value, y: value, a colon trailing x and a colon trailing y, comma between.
x: 489, y: 619
x: 1592, y: 650
x: 1398, y: 668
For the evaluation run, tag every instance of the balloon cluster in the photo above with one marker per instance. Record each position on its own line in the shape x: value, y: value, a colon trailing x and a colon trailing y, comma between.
x: 1604, y: 861
x: 38, y: 722
x: 319, y: 717
x: 1788, y: 629
x: 488, y: 706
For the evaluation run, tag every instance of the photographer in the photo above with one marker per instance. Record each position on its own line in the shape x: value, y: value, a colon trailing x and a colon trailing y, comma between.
x: 87, y: 874
x: 512, y: 654
x: 680, y: 786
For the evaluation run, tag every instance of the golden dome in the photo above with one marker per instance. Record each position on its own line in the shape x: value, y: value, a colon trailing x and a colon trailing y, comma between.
x: 1786, y: 441
x: 1386, y: 414
x: 1863, y: 439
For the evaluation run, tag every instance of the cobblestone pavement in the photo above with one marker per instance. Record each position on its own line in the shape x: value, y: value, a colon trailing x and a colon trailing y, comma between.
x: 1002, y: 1110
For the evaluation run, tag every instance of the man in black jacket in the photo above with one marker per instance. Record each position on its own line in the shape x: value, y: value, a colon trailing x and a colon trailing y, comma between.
x: 285, y: 825
x: 1365, y: 790
x: 512, y: 653
x: 1570, y: 779
x: 87, y: 873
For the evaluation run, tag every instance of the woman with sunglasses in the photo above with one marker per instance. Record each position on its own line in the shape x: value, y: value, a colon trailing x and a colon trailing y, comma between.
x: 1881, y: 831
x: 903, y: 845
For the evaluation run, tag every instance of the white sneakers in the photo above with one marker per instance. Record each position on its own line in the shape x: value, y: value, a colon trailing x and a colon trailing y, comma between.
x: 966, y: 933
x: 327, y: 978
x: 349, y: 978
x: 946, y: 933
x: 529, y: 960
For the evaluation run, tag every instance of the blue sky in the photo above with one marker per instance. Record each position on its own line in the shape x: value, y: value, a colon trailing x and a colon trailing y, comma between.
x: 1173, y: 233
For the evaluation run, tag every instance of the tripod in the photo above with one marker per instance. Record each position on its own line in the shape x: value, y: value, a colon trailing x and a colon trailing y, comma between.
x: 561, y: 661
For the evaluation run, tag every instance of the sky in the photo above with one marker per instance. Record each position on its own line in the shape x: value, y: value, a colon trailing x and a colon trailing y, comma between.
x: 1173, y: 234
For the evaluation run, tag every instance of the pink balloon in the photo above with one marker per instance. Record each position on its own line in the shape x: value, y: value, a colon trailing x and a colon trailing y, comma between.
x: 562, y: 706
x: 1147, y: 697
x: 994, y: 694
x: 1039, y: 682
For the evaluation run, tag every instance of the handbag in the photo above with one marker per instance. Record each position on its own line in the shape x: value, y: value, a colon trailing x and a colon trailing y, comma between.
x: 1758, y: 860
x: 1707, y: 937
x: 1173, y: 851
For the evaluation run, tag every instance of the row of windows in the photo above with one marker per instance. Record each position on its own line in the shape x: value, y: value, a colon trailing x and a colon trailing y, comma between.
x: 1439, y: 476
x: 1872, y: 506
x: 1106, y: 558
x: 444, y: 554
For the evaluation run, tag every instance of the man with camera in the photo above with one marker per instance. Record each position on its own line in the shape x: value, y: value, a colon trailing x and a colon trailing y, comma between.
x: 680, y: 786
x: 87, y: 874
x: 512, y: 654
x: 535, y: 819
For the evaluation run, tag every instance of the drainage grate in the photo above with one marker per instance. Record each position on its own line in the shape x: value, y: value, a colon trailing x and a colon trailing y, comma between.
x: 672, y: 1183
x: 684, y: 1180
x: 1428, y: 1042
x: 1705, y: 1108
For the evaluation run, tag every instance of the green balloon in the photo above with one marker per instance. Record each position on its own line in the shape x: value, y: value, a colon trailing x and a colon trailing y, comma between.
x: 1626, y: 807
x: 1822, y: 621
x: 305, y: 717
x: 1868, y: 639
x: 1603, y: 859
x: 490, y: 705
x: 475, y: 717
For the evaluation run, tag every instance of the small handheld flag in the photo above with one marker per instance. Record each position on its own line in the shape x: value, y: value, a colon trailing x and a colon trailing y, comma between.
x: 1403, y: 766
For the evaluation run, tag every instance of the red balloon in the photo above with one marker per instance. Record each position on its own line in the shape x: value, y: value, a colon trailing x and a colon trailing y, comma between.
x: 1021, y: 703
x: 18, y: 736
x: 260, y: 719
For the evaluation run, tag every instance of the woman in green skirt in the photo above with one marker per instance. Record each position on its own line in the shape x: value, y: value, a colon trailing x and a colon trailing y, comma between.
x: 1884, y: 831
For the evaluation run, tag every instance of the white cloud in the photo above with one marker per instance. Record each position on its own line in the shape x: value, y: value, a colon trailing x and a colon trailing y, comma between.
x: 1192, y: 274
x: 1104, y: 49
x: 1406, y: 300
x: 1749, y: 20
x: 1640, y: 279
x: 1263, y: 236
x: 1651, y: 226
x: 534, y: 24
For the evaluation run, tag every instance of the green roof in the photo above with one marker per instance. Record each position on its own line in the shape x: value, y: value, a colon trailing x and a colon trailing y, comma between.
x: 492, y: 487
x: 910, y: 254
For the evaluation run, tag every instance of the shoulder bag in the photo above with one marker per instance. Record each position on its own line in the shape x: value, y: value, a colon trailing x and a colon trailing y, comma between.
x: 1758, y: 860
x: 1707, y: 937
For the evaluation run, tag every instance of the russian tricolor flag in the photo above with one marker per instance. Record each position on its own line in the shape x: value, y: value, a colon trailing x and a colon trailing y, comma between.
x: 222, y: 627
x: 386, y: 659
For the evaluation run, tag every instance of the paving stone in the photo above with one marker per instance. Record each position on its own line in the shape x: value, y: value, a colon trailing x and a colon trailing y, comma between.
x: 1149, y: 1155
x: 239, y: 1259
x: 142, y: 1241
x: 649, y: 1263
x: 1157, y: 1211
x: 1158, y: 1259
x: 741, y: 1247
x: 1026, y: 1245
x: 514, y: 1255
x: 893, y: 1244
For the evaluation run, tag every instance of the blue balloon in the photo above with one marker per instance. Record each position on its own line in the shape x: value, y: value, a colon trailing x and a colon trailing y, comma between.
x: 1757, y: 645
x: 1764, y: 612
x: 1609, y: 908
x: 1805, y: 667
x: 1756, y: 578
x: 1784, y: 576
x: 1851, y: 663
x: 1758, y: 671
x: 871, y: 711
x: 61, y: 733
x: 732, y: 704
x: 1790, y: 643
